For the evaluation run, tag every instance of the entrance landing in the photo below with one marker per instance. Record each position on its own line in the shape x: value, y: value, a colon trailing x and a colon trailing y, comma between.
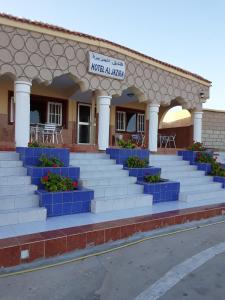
x: 64, y: 234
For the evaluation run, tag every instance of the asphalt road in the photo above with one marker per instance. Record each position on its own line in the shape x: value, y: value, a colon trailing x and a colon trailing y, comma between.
x: 131, y: 272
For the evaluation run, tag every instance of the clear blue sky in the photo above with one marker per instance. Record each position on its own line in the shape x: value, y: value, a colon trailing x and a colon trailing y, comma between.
x: 186, y: 33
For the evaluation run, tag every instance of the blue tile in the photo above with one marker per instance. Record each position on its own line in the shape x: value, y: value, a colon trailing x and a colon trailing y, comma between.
x: 57, y: 197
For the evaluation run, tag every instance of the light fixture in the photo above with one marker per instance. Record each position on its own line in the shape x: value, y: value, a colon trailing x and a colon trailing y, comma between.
x: 202, y: 95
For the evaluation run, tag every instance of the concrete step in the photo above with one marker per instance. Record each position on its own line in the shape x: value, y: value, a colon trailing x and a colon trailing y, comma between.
x: 99, y: 205
x: 176, y: 168
x: 178, y: 175
x: 110, y: 192
x: 163, y: 157
x: 212, y: 186
x: 100, y: 167
x: 17, y: 189
x: 201, y: 195
x: 18, y: 201
x: 10, y: 163
x: 191, y: 181
x: 83, y: 162
x: 107, y: 181
x: 24, y: 215
x: 88, y: 156
x: 8, y: 155
x: 167, y: 163
x: 102, y: 174
x: 15, y: 180
x: 20, y: 171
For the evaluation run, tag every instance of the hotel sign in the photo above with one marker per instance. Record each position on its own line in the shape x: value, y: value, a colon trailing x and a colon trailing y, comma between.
x: 106, y: 66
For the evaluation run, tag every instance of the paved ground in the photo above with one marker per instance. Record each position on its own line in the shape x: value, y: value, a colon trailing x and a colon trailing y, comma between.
x: 127, y: 273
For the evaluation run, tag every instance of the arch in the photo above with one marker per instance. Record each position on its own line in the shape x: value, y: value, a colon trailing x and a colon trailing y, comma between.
x: 173, y: 112
x: 130, y: 91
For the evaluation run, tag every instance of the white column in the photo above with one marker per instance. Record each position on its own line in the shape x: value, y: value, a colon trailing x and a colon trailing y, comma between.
x: 22, y: 114
x: 153, y: 110
x: 197, y: 123
x: 103, y: 103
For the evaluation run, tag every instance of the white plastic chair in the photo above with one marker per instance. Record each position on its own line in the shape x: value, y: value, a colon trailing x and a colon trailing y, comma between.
x: 48, y: 133
x: 58, y: 134
x: 171, y: 139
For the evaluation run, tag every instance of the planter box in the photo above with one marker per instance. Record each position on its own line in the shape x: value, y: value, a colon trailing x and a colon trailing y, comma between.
x: 162, y: 191
x: 66, y: 203
x: 140, y: 173
x: 204, y: 167
x: 219, y: 179
x: 121, y: 155
x: 37, y: 172
x: 190, y: 155
x: 30, y: 156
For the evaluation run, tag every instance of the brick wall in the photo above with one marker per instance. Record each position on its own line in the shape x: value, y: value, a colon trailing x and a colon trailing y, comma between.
x: 213, y: 129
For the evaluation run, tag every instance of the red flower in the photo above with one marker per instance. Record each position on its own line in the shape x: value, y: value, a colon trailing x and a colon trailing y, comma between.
x: 75, y: 184
x: 55, y: 165
x: 45, y: 178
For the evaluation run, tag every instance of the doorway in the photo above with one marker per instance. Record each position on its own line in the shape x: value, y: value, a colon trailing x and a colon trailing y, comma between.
x: 84, y: 123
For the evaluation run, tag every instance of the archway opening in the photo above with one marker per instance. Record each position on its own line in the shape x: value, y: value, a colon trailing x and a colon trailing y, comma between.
x: 176, y: 122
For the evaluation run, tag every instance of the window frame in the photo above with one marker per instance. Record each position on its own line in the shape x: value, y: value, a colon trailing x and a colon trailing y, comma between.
x: 140, y: 121
x: 124, y: 121
x: 49, y: 113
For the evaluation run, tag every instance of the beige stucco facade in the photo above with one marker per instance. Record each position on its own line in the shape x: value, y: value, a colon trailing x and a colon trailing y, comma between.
x: 40, y: 54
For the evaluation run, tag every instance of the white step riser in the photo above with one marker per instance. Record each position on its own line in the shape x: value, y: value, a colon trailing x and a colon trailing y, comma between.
x: 202, y: 196
x: 9, y: 156
x: 23, y: 216
x: 170, y: 163
x: 103, y: 174
x: 15, y: 180
x: 92, y: 183
x: 15, y: 202
x: 13, y: 171
x: 155, y: 158
x: 177, y: 175
x: 10, y: 163
x: 120, y: 204
x: 114, y: 191
x: 89, y: 162
x: 202, y: 188
x: 195, y: 181
x: 101, y: 168
x: 173, y: 169
x: 89, y: 156
x: 18, y: 190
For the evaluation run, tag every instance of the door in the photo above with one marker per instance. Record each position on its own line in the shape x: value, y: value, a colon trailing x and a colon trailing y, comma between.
x: 84, y: 124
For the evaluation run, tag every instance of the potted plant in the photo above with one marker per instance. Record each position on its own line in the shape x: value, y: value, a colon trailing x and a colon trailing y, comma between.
x: 163, y: 190
x: 63, y: 196
x: 127, y: 149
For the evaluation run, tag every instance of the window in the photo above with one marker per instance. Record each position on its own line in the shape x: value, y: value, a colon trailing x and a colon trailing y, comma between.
x: 55, y: 113
x: 120, y: 120
x: 140, y: 122
x: 130, y: 121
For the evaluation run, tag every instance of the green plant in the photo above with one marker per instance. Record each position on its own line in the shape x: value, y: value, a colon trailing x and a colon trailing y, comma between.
x: 36, y: 144
x: 126, y: 144
x: 217, y: 168
x: 136, y: 162
x: 153, y: 178
x: 56, y: 183
x: 196, y: 146
x: 205, y: 158
x: 50, y: 162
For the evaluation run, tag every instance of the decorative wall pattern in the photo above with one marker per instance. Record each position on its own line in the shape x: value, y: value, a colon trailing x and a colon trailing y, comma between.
x: 31, y: 55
